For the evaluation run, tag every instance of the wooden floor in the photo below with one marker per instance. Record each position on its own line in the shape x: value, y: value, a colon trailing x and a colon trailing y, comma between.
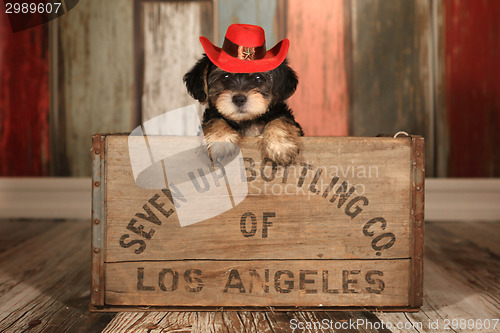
x: 44, y: 287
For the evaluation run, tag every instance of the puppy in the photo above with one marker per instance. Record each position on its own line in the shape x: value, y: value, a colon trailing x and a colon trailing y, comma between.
x: 247, y: 104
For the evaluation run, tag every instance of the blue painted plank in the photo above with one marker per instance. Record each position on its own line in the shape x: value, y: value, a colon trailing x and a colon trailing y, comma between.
x: 258, y: 12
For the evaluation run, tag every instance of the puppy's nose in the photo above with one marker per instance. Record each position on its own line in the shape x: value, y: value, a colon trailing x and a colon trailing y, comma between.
x: 239, y: 99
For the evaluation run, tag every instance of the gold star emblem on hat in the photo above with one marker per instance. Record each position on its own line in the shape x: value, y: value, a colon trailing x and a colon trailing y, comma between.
x: 248, y: 52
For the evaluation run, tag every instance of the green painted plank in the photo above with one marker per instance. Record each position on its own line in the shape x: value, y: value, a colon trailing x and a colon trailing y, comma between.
x: 392, y: 69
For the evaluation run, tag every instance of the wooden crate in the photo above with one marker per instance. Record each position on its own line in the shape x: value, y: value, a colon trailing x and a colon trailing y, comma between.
x: 341, y: 229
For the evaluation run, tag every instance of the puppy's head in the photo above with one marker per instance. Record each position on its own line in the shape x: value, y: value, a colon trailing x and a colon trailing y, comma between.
x: 240, y: 96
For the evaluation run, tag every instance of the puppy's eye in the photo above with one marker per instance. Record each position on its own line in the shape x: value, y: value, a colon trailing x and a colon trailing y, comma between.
x: 259, y: 79
x: 226, y: 77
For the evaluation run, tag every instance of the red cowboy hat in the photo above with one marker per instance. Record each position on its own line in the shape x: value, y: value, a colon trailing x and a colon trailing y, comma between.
x: 244, y: 50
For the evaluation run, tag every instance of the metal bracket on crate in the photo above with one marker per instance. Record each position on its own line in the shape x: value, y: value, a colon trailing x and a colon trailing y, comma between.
x: 98, y: 221
x: 401, y: 133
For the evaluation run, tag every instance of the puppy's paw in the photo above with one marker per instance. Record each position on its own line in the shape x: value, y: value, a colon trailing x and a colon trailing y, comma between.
x: 223, y: 152
x: 283, y: 153
x: 280, y: 142
x: 222, y: 141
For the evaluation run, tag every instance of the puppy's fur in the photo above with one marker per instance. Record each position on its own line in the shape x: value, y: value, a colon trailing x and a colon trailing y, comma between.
x: 247, y: 104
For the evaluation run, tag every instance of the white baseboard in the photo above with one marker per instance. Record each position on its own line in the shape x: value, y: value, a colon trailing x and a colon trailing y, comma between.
x: 467, y: 199
x: 70, y: 198
x: 45, y: 198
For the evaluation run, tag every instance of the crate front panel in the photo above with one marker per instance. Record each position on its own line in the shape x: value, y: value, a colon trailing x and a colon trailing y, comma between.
x: 306, y: 283
x: 283, y: 217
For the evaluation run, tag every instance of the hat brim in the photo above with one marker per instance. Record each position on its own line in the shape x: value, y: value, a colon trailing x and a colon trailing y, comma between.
x: 273, y: 58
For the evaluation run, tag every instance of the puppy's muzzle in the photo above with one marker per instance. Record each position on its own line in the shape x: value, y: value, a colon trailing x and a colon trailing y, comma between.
x: 239, y: 99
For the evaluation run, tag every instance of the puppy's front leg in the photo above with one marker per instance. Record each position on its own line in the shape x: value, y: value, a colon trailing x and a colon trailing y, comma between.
x: 280, y: 141
x: 221, y: 138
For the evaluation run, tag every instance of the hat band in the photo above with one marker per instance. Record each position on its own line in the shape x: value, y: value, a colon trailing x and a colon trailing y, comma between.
x: 243, y: 52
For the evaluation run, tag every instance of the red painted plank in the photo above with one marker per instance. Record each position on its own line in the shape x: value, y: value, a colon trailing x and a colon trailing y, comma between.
x: 472, y: 48
x: 24, y: 100
x: 316, y: 32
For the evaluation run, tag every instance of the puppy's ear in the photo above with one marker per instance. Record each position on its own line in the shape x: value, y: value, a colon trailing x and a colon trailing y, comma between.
x: 196, y: 79
x: 284, y: 81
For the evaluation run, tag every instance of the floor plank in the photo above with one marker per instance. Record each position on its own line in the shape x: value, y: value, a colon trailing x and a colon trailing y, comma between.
x: 45, y: 280
x: 461, y: 277
x: 485, y: 235
x: 15, y: 232
x: 135, y: 322
x: 244, y: 321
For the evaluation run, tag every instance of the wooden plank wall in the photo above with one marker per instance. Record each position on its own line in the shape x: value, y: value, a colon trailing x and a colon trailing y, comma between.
x: 95, y: 83
x: 171, y: 47
x: 378, y: 68
x: 472, y: 48
x: 317, y: 31
x: 24, y: 100
x: 392, y: 79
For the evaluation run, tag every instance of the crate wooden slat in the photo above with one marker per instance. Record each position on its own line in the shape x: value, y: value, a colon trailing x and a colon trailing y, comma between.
x: 312, y: 246
x: 311, y: 283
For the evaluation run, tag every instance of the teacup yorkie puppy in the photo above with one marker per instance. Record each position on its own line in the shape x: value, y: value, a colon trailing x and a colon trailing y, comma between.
x: 246, y: 88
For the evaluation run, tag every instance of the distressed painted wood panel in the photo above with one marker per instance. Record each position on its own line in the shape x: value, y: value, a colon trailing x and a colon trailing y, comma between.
x: 472, y: 50
x: 441, y: 140
x: 95, y: 85
x: 266, y: 13
x: 317, y: 30
x: 24, y: 100
x: 171, y: 47
x: 392, y: 78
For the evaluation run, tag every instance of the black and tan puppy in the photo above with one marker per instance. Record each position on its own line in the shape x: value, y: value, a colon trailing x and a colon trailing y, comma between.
x: 247, y: 104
